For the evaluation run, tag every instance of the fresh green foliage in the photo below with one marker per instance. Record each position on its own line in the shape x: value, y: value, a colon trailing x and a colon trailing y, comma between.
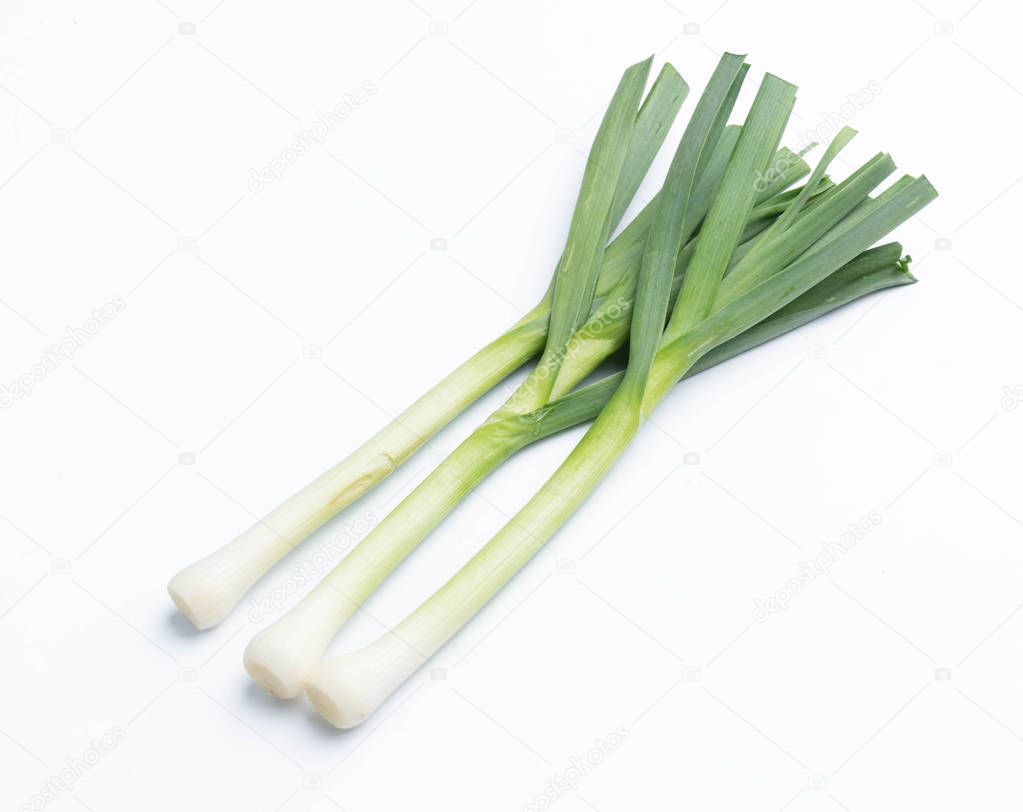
x: 726, y: 256
x: 746, y: 278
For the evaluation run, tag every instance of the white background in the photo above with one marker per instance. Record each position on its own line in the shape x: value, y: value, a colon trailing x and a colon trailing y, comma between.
x: 891, y: 683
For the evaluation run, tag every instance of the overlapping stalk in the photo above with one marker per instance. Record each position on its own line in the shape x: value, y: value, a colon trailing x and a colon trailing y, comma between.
x: 801, y: 249
x: 282, y: 656
x: 207, y: 590
x: 724, y: 258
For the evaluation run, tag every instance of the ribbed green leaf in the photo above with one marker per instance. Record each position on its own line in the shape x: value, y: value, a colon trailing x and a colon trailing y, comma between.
x: 727, y: 217
x: 653, y: 122
x: 873, y: 270
x: 576, y: 276
x: 622, y: 255
x: 840, y: 141
x: 668, y: 229
x: 807, y: 271
x: 773, y: 250
x: 863, y: 210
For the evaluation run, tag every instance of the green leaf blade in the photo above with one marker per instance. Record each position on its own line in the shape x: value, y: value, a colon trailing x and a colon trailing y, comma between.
x: 668, y: 229
x: 761, y: 135
x: 578, y: 270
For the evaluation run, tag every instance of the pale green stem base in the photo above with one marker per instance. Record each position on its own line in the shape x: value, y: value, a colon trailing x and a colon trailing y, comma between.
x: 209, y: 589
x: 283, y: 655
x: 348, y: 688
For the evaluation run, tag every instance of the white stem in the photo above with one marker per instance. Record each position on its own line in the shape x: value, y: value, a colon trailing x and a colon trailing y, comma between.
x: 281, y: 656
x: 348, y: 688
x: 209, y: 589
